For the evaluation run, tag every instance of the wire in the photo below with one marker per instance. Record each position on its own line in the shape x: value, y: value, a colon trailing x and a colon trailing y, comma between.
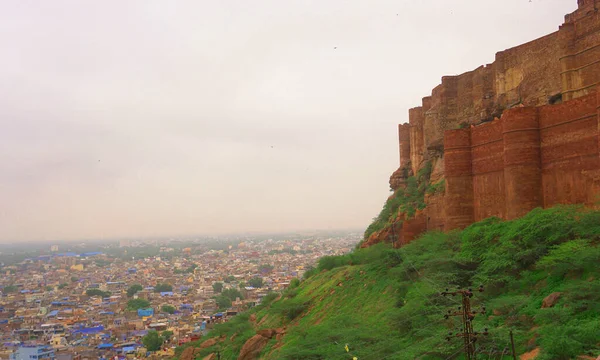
x: 449, y: 357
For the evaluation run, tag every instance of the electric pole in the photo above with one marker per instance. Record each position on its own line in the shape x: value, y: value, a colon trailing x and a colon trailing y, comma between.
x: 512, y: 344
x: 469, y: 336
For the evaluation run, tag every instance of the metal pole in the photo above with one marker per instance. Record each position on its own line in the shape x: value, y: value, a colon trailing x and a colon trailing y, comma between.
x: 512, y: 342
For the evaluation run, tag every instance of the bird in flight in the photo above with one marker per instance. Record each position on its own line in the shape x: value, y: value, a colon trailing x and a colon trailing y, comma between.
x: 335, y: 47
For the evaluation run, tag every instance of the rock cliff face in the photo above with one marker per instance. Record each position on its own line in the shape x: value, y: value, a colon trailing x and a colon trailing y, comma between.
x: 507, y: 137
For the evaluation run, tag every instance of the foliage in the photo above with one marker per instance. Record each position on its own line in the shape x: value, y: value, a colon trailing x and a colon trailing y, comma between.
x: 232, y: 294
x: 438, y: 187
x: 163, y: 288
x: 294, y: 283
x: 135, y: 304
x: 167, y: 334
x: 223, y: 302
x: 256, y: 282
x: 310, y: 271
x: 217, y: 287
x: 74, y: 278
x: 265, y: 268
x: 102, y: 262
x: 168, y: 309
x: 229, y: 279
x: 133, y: 289
x: 97, y: 292
x: 190, y: 269
x: 152, y: 341
x: 268, y: 299
x: 62, y: 286
x: 385, y: 303
x: 49, y: 288
x: 286, y: 250
x: 407, y: 200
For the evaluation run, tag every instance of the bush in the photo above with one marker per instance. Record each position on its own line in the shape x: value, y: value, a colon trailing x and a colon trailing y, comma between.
x: 152, y: 341
x: 163, y: 288
x: 97, y: 292
x: 136, y: 304
x: 256, y: 282
x: 294, y: 283
x: 232, y: 294
x: 407, y: 200
x: 223, y: 302
x: 168, y: 309
x: 291, y: 309
x: 133, y: 289
x: 269, y: 298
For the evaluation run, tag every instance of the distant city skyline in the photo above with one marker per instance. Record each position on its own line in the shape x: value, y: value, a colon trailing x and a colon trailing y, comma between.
x: 151, y: 118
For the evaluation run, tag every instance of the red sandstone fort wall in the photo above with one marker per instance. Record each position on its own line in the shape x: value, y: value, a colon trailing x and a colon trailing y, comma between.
x: 496, y: 137
x: 565, y: 63
x: 569, y: 143
x: 488, y: 171
x: 531, y: 157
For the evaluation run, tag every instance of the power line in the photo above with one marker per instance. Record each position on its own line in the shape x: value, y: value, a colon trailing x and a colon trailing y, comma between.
x: 469, y: 336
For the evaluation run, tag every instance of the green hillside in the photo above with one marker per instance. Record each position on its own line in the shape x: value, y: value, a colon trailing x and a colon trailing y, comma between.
x: 385, y: 303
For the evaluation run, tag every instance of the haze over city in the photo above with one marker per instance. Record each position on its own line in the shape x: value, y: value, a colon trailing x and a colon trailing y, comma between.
x: 151, y: 118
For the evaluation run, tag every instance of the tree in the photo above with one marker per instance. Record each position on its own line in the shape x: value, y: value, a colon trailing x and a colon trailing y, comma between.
x: 294, y: 283
x: 223, y: 302
x: 62, y: 286
x: 265, y: 268
x: 232, y: 294
x: 190, y: 269
x: 74, y: 279
x: 10, y: 289
x: 135, y: 304
x: 229, y: 279
x: 97, y: 292
x: 163, y: 288
x: 101, y: 262
x: 256, y: 282
x: 242, y: 285
x: 49, y: 288
x: 168, y: 309
x: 167, y: 335
x: 152, y: 341
x: 133, y: 289
x: 218, y: 287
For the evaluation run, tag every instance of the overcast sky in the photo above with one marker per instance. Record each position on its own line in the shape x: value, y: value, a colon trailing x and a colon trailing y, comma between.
x: 123, y: 118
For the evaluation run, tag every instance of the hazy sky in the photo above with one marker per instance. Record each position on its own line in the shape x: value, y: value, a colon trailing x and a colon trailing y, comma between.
x: 123, y: 118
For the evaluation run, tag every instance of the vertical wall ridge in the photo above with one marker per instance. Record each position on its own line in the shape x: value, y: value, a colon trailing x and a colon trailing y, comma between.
x: 522, y: 161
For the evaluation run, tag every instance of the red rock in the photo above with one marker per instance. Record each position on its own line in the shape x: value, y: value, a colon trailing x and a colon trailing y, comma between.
x: 252, y: 348
x: 189, y: 353
x: 209, y: 343
x: 268, y: 333
x: 550, y: 300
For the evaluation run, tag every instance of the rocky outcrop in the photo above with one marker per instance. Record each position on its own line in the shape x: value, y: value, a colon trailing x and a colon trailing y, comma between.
x: 253, y: 346
x: 398, y: 178
x: 550, y: 300
x: 209, y: 343
x: 189, y: 353
x: 510, y: 136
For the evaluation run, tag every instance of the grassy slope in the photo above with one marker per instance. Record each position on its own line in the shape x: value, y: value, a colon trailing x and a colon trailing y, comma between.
x: 385, y: 303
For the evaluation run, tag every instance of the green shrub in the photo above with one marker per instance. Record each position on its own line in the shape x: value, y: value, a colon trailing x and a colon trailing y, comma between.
x: 385, y: 303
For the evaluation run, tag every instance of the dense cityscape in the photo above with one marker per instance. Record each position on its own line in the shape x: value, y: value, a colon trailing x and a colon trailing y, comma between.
x: 136, y: 298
